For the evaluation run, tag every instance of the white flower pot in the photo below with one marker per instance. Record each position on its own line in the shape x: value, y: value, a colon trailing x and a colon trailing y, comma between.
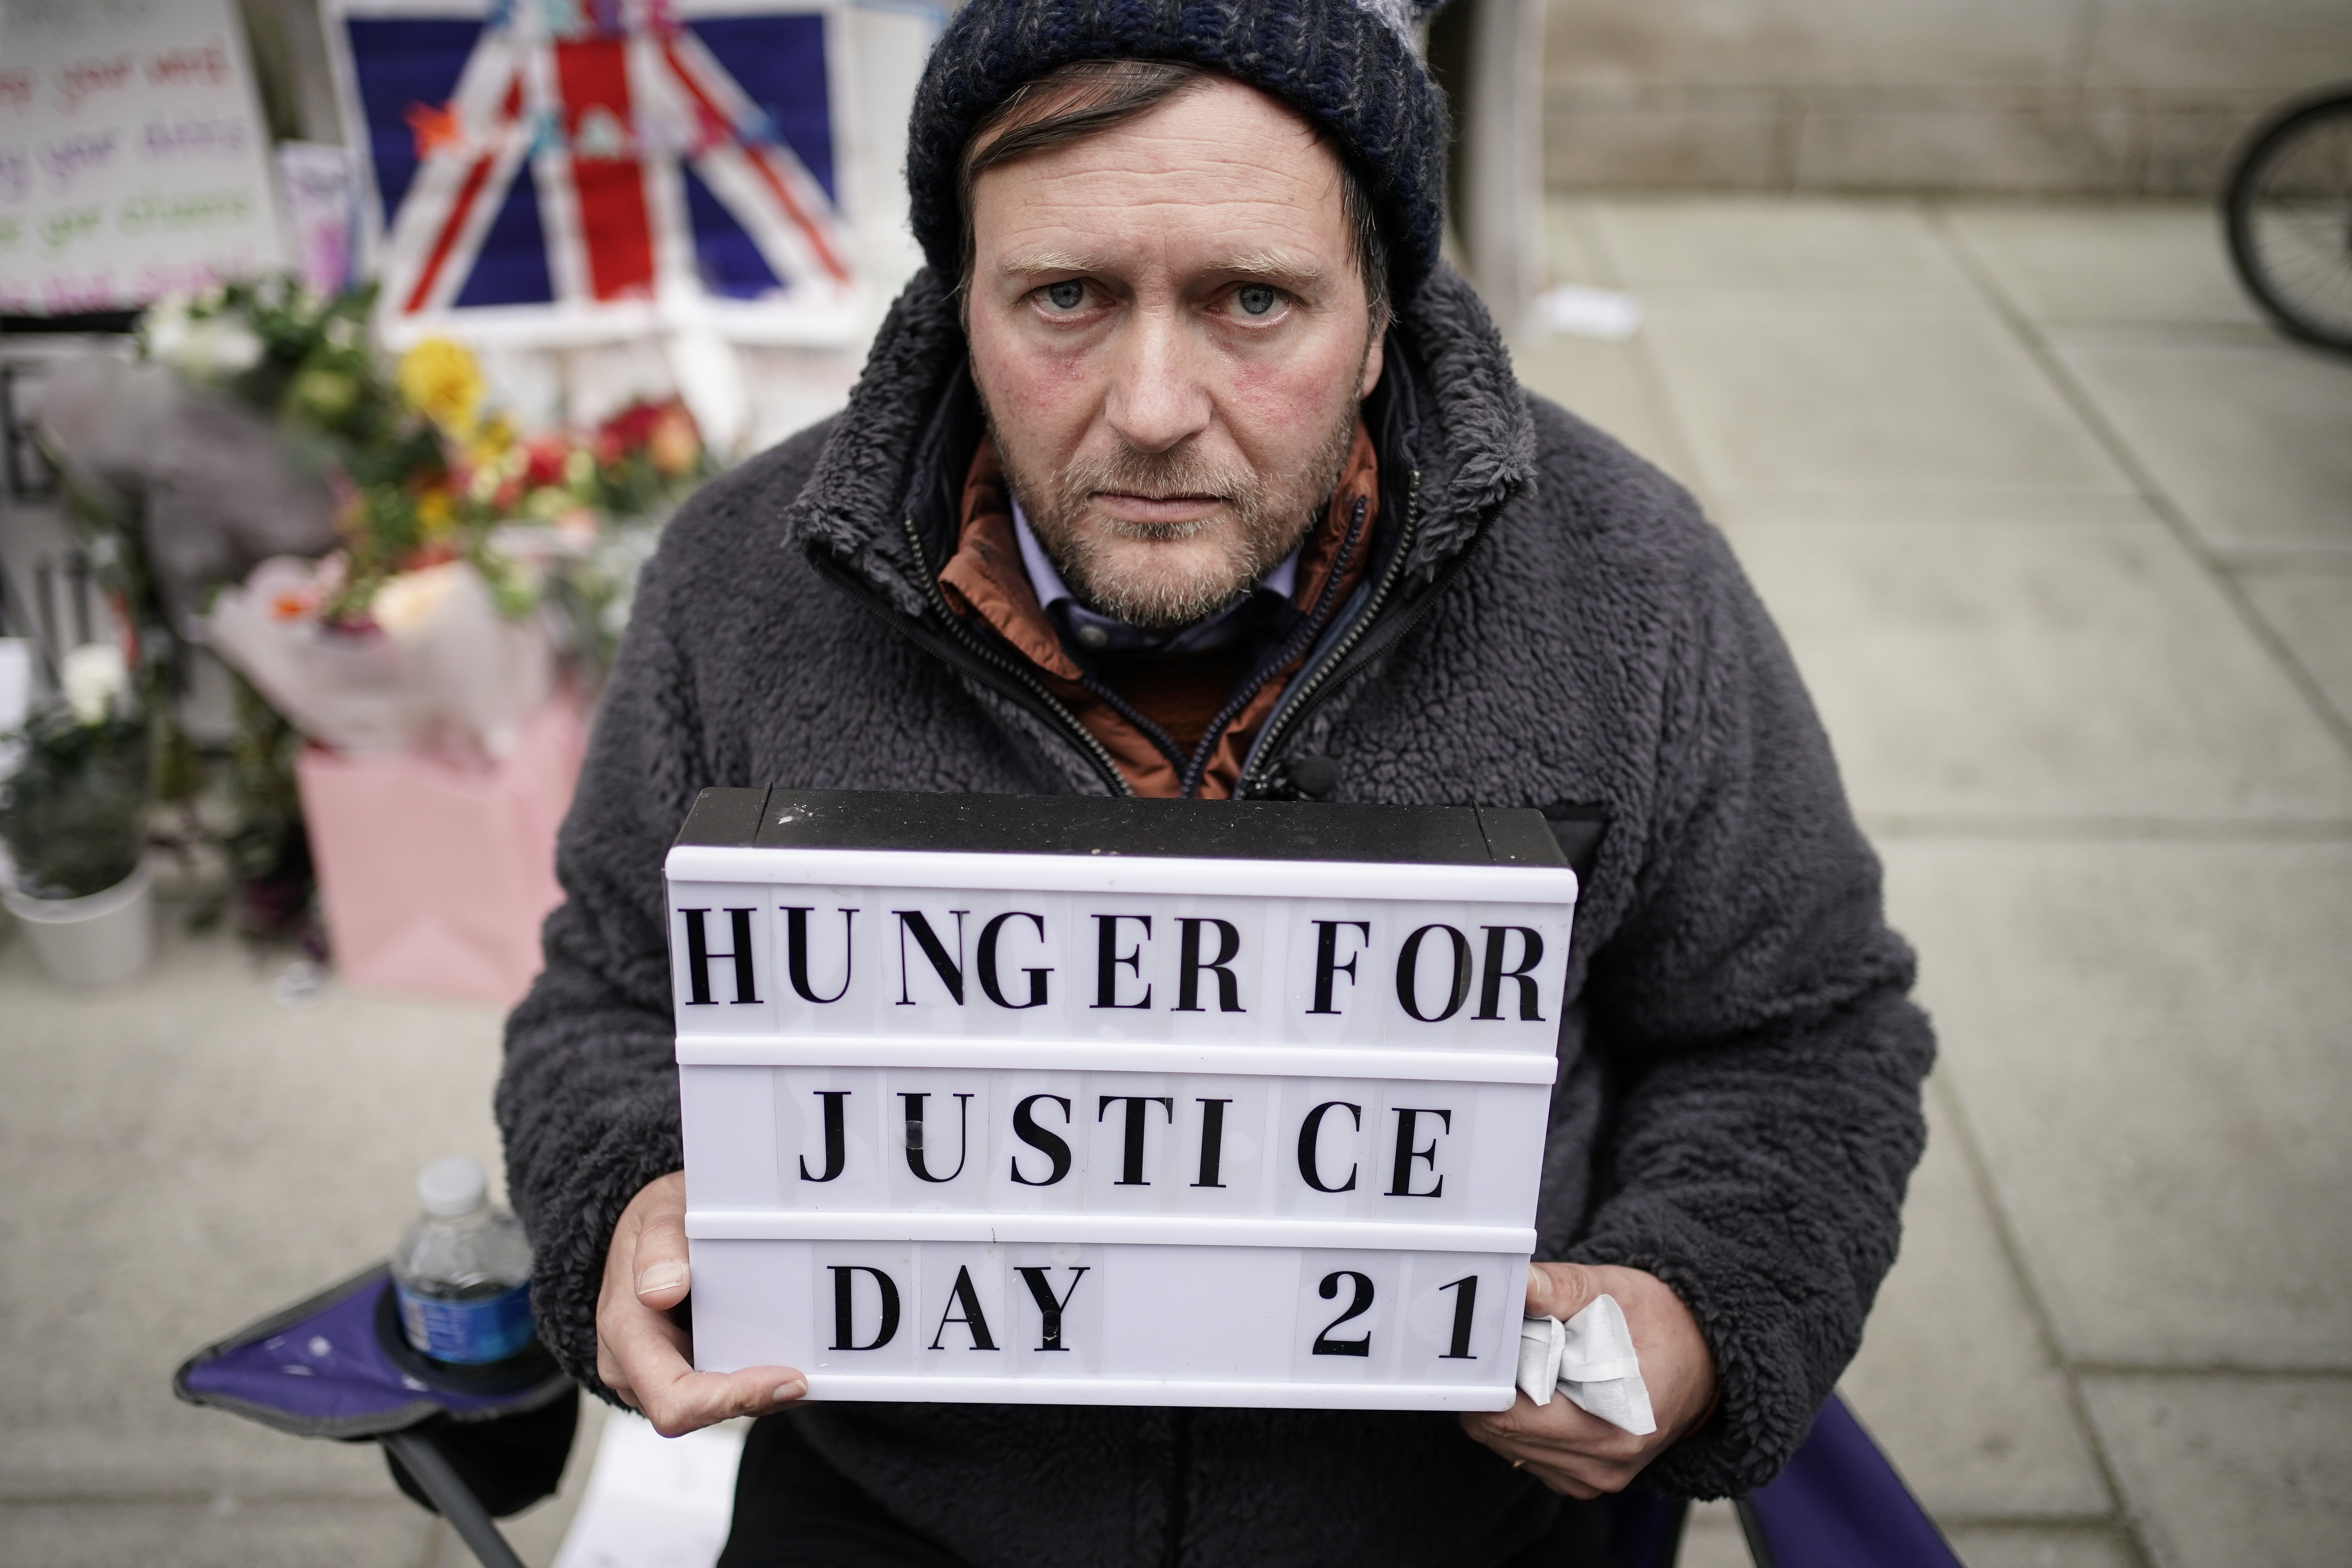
x: 94, y: 941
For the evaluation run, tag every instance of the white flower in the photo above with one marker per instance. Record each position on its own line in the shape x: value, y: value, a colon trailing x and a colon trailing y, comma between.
x: 406, y: 602
x: 168, y: 313
x: 205, y: 347
x: 95, y: 678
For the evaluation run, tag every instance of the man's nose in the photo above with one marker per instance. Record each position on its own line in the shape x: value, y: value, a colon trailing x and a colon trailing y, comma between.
x: 1157, y: 396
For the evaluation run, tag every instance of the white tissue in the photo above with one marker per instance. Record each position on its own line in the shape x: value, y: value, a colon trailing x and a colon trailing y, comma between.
x: 1589, y: 1358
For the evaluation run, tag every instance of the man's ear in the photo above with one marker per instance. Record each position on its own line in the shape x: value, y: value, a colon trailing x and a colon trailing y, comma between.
x: 1372, y: 353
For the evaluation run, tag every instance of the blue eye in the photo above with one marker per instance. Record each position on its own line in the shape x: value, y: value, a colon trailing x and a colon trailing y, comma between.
x: 1067, y: 296
x: 1256, y: 300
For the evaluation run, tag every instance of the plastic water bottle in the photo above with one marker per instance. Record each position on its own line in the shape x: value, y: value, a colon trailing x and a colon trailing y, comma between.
x: 463, y: 1270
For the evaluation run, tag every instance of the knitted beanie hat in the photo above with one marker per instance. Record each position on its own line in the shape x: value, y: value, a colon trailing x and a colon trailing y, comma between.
x: 1348, y: 65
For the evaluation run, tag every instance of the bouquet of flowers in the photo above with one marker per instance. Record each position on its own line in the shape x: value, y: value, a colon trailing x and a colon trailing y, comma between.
x: 469, y: 556
x: 385, y: 560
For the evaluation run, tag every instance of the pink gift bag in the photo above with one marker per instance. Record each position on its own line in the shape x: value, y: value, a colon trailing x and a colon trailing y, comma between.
x: 434, y: 877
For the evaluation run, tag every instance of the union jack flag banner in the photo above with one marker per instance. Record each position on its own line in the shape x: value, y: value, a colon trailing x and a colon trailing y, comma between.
x: 545, y: 171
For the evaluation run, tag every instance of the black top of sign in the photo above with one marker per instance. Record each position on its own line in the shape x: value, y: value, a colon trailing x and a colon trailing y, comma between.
x: 1086, y: 824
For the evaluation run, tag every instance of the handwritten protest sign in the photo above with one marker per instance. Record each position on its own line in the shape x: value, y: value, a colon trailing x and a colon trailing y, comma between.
x: 1096, y: 1102
x: 132, y: 160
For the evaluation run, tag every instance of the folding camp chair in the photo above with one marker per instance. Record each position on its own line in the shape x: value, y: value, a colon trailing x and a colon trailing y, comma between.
x: 470, y: 1444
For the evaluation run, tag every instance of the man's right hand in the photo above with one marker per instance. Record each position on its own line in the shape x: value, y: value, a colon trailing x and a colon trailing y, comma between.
x: 641, y: 1354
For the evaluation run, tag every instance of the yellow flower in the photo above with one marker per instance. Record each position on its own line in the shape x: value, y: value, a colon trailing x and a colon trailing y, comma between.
x: 675, y: 445
x: 442, y: 380
x: 435, y: 516
x: 495, y: 444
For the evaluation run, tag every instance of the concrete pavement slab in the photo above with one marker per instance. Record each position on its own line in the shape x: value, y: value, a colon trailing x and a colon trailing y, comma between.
x: 2145, y: 1039
x: 2312, y: 610
x: 1711, y: 1539
x: 385, y: 1532
x: 1791, y: 392
x: 1954, y: 508
x: 1574, y: 251
x: 2221, y: 1471
x: 184, y: 1156
x: 2250, y: 435
x: 1611, y: 385
x: 2136, y: 261
x: 2039, y: 1546
x: 1807, y: 243
x: 2041, y: 669
x: 1954, y: 1379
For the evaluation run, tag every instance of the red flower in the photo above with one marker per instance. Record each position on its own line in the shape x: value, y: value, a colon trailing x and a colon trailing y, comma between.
x: 631, y: 428
x: 545, y: 464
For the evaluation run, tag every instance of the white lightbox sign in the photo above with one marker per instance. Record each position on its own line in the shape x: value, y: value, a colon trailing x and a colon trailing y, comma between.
x: 1088, y: 1101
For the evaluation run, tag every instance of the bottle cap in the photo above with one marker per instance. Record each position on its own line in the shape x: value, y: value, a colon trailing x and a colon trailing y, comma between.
x: 452, y: 1187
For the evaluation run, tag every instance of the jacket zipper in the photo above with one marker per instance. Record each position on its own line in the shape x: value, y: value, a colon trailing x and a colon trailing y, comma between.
x: 1303, y: 697
x: 1196, y: 767
x: 1051, y: 706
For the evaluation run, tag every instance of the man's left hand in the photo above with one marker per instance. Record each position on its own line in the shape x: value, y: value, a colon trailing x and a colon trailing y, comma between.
x: 1580, y: 1454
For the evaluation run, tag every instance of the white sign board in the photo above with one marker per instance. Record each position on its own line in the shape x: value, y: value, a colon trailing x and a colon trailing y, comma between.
x: 1091, y: 1101
x: 132, y: 160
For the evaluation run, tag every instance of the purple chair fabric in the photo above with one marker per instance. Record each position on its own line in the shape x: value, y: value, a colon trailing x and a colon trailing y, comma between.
x: 1839, y: 1504
x: 467, y: 1443
x: 326, y: 1367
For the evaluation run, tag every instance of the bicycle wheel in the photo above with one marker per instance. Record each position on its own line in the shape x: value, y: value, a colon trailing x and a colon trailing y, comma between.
x: 2289, y: 212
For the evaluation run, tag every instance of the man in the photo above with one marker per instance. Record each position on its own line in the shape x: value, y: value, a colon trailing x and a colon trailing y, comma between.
x: 1186, y: 468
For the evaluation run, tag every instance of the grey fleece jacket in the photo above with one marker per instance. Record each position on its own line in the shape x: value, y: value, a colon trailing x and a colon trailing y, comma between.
x: 1547, y: 621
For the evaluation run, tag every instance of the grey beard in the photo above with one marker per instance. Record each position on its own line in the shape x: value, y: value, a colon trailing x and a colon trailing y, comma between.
x: 1274, y: 519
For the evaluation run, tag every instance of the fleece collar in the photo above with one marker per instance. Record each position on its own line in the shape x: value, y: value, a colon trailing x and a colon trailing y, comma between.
x: 911, y: 426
